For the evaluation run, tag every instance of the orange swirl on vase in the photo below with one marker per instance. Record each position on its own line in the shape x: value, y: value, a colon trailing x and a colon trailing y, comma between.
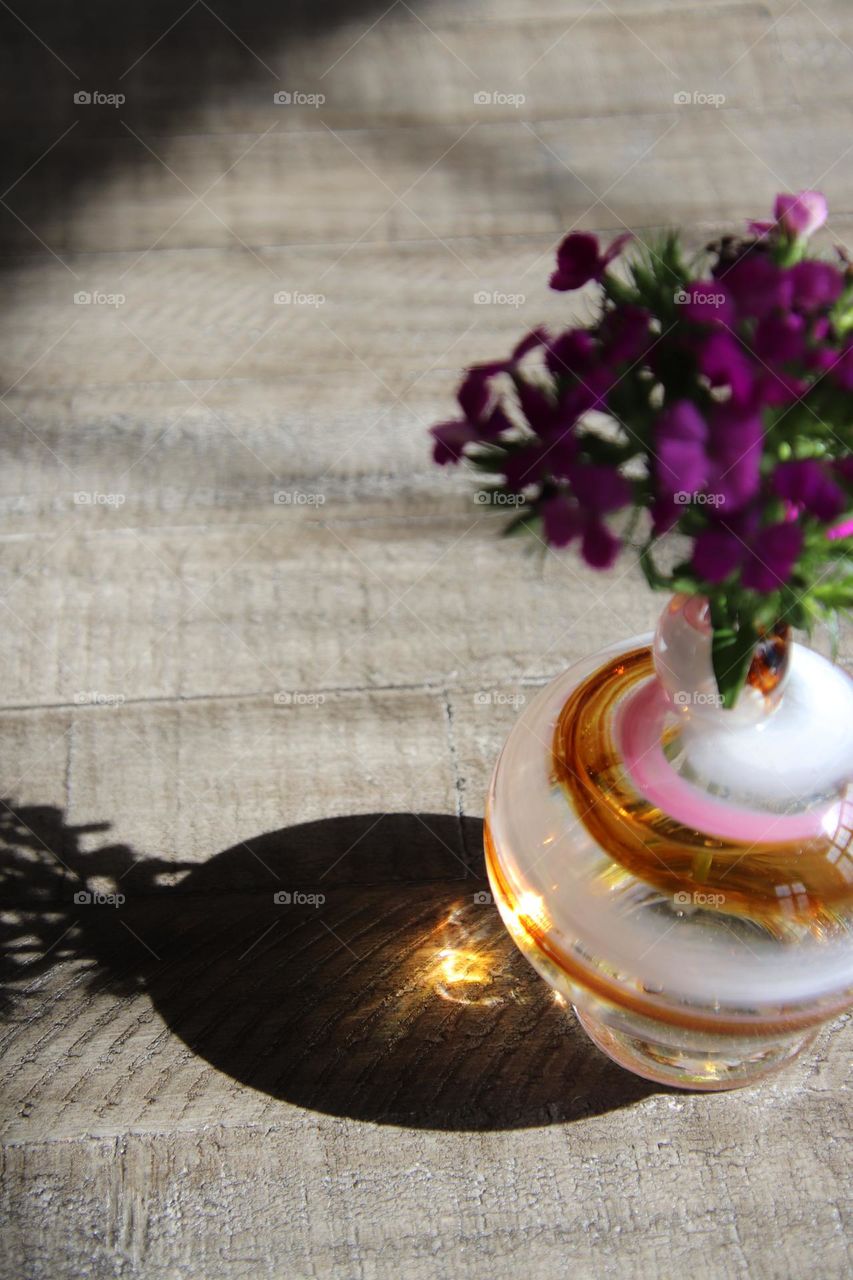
x: 776, y: 884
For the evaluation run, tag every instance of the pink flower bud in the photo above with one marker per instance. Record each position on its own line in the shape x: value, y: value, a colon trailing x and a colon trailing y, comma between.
x: 802, y: 214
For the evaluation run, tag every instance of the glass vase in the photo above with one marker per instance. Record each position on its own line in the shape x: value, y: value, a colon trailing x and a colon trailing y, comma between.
x: 682, y: 874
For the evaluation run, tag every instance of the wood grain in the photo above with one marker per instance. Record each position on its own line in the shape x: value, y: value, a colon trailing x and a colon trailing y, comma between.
x: 210, y: 697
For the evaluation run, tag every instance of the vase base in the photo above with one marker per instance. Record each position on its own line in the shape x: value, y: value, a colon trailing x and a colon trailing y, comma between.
x: 712, y: 1067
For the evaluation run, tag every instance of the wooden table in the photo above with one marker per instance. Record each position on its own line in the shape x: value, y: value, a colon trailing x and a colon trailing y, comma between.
x: 254, y: 644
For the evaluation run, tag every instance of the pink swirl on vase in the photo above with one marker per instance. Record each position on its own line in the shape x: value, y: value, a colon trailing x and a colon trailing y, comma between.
x: 639, y: 728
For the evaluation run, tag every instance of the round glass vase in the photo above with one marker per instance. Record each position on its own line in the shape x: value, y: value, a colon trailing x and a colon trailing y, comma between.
x: 682, y: 874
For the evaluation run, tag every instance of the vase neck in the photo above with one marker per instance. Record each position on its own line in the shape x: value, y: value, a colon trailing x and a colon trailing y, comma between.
x: 684, y: 666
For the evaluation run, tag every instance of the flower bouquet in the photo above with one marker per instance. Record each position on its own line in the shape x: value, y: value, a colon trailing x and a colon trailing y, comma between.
x: 713, y: 392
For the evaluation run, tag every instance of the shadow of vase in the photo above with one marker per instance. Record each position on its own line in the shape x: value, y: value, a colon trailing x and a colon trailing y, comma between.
x: 340, y: 965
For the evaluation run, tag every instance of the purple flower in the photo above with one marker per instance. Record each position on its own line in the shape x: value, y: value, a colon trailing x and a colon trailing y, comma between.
x: 564, y: 520
x: 596, y: 490
x: 720, y: 455
x: 766, y: 557
x: 737, y: 437
x: 707, y: 302
x: 681, y: 440
x: 483, y: 419
x: 717, y: 552
x: 801, y: 214
x: 780, y: 338
x: 599, y: 547
x: 772, y: 556
x: 580, y: 260
x: 599, y: 488
x: 724, y: 363
x: 524, y: 467
x: 536, y: 405
x: 450, y: 441
x: 808, y: 487
x: 572, y: 352
x: 815, y: 285
x: 757, y: 285
x: 841, y: 368
x: 626, y: 334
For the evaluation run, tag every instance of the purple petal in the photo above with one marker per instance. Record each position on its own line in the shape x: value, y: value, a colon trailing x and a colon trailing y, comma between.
x: 536, y: 405
x: 757, y: 284
x: 808, y: 486
x: 450, y: 439
x: 706, y: 302
x: 626, y: 334
x: 599, y: 488
x: 665, y: 514
x: 524, y: 467
x: 577, y: 261
x: 737, y: 439
x: 561, y: 520
x: 772, y: 556
x: 815, y: 285
x: 780, y: 338
x: 615, y: 248
x: 725, y: 364
x: 561, y: 452
x: 474, y: 394
x: 599, y: 547
x: 841, y: 369
x: 716, y: 554
x: 571, y: 352
x: 800, y: 215
x: 681, y: 437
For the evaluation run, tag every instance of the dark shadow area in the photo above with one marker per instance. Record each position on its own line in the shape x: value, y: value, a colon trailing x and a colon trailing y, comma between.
x: 349, y: 966
x: 64, y: 65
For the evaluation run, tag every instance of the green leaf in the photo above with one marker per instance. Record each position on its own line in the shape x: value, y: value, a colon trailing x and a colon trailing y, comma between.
x: 732, y: 647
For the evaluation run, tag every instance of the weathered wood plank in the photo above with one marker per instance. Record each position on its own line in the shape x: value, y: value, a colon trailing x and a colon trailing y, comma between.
x: 816, y: 42
x: 212, y: 318
x: 627, y: 1192
x: 297, y: 606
